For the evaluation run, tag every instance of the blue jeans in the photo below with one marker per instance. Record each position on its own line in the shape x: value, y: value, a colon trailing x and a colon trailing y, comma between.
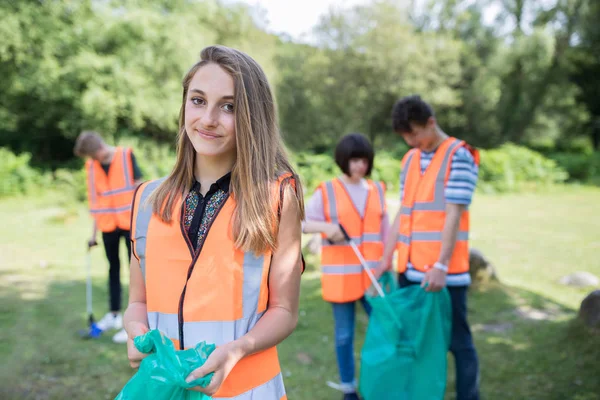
x: 343, y: 316
x: 461, y: 343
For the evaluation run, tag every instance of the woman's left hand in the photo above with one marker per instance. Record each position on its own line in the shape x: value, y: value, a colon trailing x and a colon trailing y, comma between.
x: 221, y: 361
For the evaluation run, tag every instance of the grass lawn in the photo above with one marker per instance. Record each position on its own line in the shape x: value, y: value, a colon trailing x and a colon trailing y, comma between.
x: 529, y: 344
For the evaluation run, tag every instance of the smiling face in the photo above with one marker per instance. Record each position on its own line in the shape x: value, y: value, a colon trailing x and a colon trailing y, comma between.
x: 209, y: 112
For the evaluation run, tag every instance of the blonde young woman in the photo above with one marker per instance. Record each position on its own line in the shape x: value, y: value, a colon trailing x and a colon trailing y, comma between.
x: 216, y: 244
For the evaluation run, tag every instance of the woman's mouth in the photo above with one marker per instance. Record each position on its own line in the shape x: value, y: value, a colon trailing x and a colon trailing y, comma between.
x: 207, y: 135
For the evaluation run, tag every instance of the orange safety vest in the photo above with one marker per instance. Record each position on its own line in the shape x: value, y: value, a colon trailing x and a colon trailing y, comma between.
x: 216, y: 295
x: 423, y: 214
x: 343, y: 279
x: 110, y: 195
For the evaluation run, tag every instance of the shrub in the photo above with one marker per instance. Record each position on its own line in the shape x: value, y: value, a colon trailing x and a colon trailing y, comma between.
x: 16, y: 174
x: 581, y: 167
x: 513, y: 168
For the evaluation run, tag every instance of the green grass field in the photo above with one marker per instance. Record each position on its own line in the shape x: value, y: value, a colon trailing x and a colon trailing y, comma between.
x: 529, y: 343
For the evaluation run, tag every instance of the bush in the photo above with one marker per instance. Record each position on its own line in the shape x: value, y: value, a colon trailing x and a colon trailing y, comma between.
x: 71, y: 183
x: 316, y: 168
x: 16, y: 174
x: 508, y: 168
x: 387, y: 169
x: 18, y: 177
x: 513, y: 168
x: 581, y: 167
x: 505, y: 169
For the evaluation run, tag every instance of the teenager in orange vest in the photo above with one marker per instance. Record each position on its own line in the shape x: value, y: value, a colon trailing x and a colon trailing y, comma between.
x: 216, y: 244
x: 358, y: 204
x: 431, y: 230
x: 112, y: 176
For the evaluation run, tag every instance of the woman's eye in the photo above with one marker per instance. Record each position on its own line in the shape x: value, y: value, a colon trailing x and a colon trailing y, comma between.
x: 228, y: 107
x: 197, y: 101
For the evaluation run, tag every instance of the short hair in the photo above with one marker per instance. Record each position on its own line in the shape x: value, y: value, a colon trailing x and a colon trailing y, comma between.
x: 87, y: 143
x: 410, y: 109
x: 353, y: 145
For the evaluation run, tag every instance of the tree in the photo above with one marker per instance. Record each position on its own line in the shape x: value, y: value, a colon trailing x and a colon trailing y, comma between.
x: 586, y: 73
x: 115, y: 67
x: 366, y: 58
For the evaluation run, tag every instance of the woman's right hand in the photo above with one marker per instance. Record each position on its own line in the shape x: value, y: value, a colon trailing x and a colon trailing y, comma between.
x: 135, y: 329
x: 334, y: 233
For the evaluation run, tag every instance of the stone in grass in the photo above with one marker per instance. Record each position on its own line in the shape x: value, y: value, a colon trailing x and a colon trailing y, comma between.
x: 304, y: 358
x: 589, y: 310
x: 480, y: 268
x: 580, y: 279
x: 500, y: 327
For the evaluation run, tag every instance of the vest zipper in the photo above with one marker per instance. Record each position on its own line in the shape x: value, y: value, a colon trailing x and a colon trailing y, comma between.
x: 195, y: 256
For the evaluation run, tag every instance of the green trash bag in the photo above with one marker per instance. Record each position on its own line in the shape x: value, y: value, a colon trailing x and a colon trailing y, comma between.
x: 407, y: 341
x: 162, y: 374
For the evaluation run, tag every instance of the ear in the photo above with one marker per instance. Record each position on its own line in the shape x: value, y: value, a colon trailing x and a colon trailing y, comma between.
x: 431, y: 122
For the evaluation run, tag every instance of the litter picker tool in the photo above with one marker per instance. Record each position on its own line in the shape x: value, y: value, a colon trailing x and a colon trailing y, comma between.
x: 362, y: 262
x: 93, y: 330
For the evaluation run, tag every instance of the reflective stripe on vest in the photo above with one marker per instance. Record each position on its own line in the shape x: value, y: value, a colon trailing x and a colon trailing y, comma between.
x: 217, y: 295
x: 142, y: 213
x: 365, y: 238
x: 110, y: 195
x: 110, y: 210
x: 128, y: 179
x: 342, y: 276
x: 451, y: 279
x: 422, y: 217
x: 273, y: 389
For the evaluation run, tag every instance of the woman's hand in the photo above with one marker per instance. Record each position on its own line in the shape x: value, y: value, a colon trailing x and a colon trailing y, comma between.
x: 135, y: 329
x: 221, y: 361
x: 334, y: 233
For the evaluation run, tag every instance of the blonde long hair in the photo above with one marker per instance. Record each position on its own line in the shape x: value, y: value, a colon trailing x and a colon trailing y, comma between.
x: 261, y: 155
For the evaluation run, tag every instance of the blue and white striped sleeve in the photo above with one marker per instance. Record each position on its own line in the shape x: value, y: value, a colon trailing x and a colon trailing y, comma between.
x: 401, y: 179
x: 463, y: 178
